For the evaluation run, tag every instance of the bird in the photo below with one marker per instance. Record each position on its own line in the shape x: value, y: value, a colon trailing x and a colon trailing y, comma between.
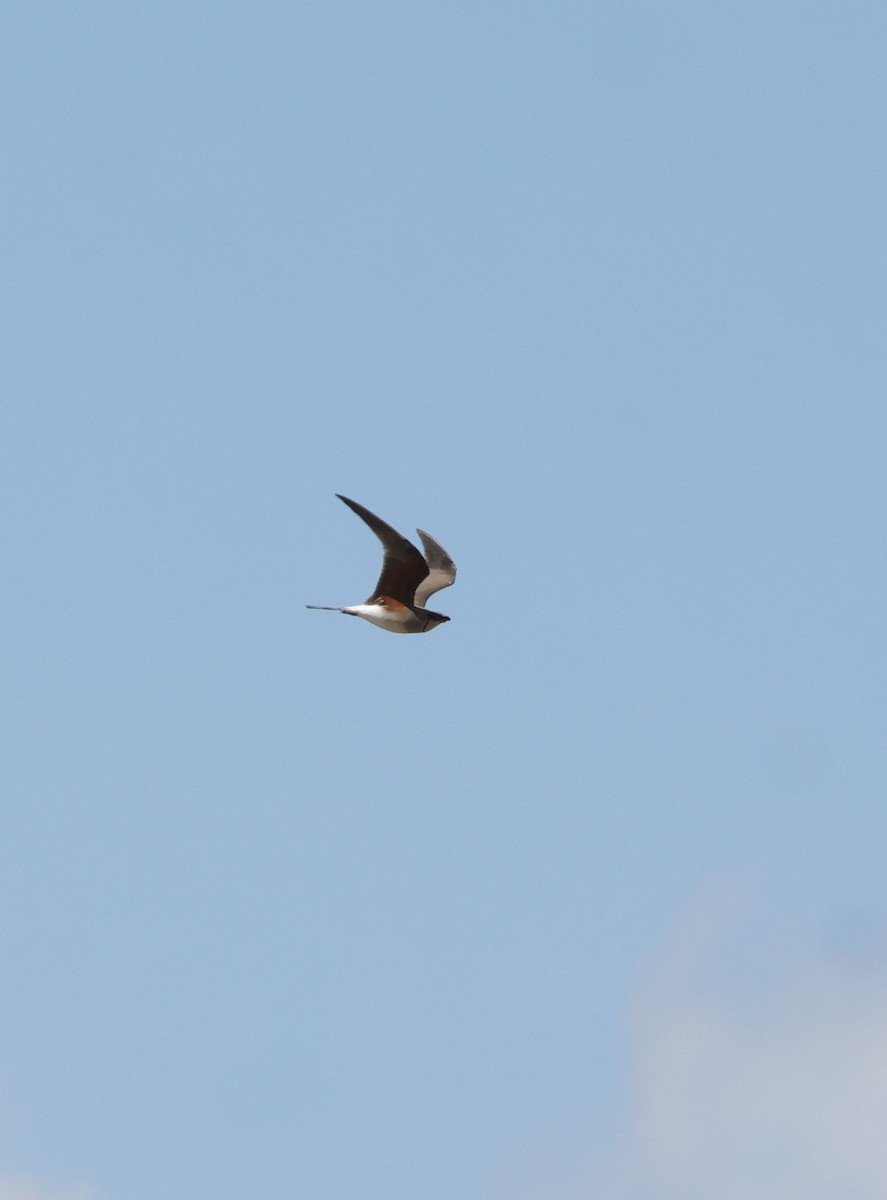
x: 408, y: 578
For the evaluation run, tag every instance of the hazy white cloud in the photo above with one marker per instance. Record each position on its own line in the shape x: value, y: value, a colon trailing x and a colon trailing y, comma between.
x: 22, y: 1190
x: 745, y: 1093
x: 759, y: 1072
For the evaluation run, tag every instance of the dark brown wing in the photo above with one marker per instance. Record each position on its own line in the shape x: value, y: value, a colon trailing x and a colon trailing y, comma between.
x: 403, y: 567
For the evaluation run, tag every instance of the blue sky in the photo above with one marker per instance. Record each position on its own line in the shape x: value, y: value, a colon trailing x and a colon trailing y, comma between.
x: 583, y: 894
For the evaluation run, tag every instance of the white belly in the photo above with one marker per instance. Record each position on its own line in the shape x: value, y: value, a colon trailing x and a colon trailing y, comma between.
x: 377, y: 614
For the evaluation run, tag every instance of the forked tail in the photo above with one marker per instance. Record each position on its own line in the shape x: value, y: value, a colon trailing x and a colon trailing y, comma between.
x: 325, y: 607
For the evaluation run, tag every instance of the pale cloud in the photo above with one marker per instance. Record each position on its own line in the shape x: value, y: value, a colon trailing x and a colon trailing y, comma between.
x: 758, y: 1093
x: 22, y: 1190
x: 758, y: 1072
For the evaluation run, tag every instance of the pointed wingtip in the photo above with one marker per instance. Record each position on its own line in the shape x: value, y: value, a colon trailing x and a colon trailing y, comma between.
x: 434, y: 551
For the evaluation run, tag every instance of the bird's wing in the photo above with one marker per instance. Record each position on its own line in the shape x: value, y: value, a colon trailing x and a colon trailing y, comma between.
x: 403, y: 567
x: 441, y: 569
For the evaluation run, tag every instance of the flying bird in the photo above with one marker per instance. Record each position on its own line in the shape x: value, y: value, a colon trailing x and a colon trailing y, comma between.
x: 408, y: 578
